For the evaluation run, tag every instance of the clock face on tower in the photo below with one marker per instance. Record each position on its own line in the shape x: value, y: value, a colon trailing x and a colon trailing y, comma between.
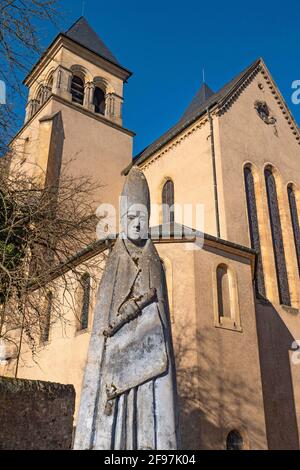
x: 264, y: 113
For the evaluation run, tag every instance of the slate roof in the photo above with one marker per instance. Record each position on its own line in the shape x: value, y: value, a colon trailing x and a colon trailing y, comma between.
x: 82, y: 33
x: 200, y: 98
x: 197, y: 108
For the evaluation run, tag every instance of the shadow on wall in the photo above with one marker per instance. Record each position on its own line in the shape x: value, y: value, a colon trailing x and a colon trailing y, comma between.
x: 275, y: 341
x: 217, y: 396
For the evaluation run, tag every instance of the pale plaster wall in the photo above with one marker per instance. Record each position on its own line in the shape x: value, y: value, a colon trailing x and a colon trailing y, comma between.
x: 218, y: 370
x: 221, y: 366
x: 101, y: 156
x: 187, y: 161
x: 62, y: 359
x: 229, y: 387
x: 34, y: 151
x: 96, y: 150
x: 280, y: 376
x: 245, y: 138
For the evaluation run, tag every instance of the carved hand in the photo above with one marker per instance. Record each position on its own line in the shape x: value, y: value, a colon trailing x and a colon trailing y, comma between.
x: 130, y: 310
x: 147, y: 298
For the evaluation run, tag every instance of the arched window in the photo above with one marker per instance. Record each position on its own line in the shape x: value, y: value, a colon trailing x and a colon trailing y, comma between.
x: 85, y: 301
x: 280, y: 263
x: 99, y: 100
x: 168, y: 202
x: 295, y: 221
x: 49, y: 87
x: 224, y: 307
x: 40, y: 97
x: 77, y: 89
x: 46, y: 318
x: 225, y: 295
x: 253, y: 229
x: 234, y: 441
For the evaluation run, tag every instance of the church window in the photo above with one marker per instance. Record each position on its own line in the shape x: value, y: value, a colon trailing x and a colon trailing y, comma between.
x: 49, y: 87
x: 234, y: 441
x: 99, y: 101
x: 295, y: 221
x: 278, y: 248
x: 40, y: 99
x: 226, y: 303
x: 168, y: 202
x: 46, y: 318
x: 85, y: 283
x: 224, y: 307
x: 253, y: 229
x: 77, y: 89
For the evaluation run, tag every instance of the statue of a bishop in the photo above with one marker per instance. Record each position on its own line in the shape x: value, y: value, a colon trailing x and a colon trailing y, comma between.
x: 128, y: 398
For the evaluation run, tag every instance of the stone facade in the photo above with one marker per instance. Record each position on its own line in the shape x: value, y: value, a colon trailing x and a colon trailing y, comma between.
x: 235, y: 371
x: 35, y: 415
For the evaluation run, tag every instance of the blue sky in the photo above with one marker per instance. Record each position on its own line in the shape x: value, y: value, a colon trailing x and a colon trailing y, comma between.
x: 167, y: 43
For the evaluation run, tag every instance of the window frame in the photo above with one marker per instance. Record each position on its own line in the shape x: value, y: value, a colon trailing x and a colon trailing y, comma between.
x: 80, y: 101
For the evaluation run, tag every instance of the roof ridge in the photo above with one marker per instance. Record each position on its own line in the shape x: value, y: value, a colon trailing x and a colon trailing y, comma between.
x: 202, y: 95
x: 222, y: 95
x: 101, y: 49
x: 73, y: 24
x: 82, y: 32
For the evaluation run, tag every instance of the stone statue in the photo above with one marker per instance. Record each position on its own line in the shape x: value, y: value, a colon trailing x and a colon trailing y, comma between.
x: 128, y: 399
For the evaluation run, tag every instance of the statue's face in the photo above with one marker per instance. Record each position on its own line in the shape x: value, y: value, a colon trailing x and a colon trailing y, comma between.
x: 135, y: 224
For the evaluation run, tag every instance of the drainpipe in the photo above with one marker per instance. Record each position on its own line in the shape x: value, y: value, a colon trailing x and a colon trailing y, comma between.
x: 213, y: 158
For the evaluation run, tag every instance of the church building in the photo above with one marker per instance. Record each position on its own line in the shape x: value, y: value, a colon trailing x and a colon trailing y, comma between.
x: 232, y: 264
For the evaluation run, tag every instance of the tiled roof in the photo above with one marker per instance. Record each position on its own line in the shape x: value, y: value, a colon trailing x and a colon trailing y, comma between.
x: 200, y: 98
x: 197, y: 107
x: 82, y: 33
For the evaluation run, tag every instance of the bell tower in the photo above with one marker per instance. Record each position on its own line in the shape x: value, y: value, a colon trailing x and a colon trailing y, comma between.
x: 74, y: 111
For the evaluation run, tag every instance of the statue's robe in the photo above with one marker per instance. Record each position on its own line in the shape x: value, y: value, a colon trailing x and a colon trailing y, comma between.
x: 143, y: 417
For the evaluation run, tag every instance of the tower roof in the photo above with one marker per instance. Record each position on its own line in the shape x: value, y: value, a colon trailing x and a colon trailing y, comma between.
x: 199, y: 99
x: 83, y: 33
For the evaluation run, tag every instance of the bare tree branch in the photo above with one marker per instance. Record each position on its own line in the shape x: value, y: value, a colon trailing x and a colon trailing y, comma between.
x: 41, y: 228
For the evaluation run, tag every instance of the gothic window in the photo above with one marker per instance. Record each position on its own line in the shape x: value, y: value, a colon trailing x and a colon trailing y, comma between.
x: 234, y: 441
x: 168, y: 202
x: 295, y: 221
x: 224, y: 308
x: 49, y: 87
x: 253, y: 228
x: 226, y: 303
x: 77, y: 89
x: 99, y: 101
x: 40, y: 99
x: 46, y: 318
x: 279, y: 255
x: 85, y: 300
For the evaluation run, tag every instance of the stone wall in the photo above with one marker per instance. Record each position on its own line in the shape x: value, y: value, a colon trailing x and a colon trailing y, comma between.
x: 35, y: 414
